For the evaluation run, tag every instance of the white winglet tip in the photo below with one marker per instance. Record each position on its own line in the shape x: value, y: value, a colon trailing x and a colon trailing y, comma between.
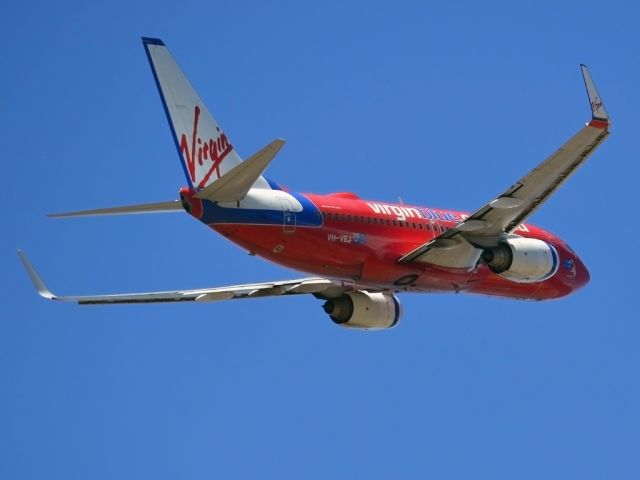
x: 37, y: 281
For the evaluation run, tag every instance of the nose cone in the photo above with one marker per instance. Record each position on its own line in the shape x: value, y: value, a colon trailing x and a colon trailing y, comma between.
x: 582, y: 274
x: 572, y: 274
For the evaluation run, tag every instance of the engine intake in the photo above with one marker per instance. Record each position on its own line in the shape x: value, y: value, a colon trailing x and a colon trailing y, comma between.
x: 522, y: 260
x: 364, y: 310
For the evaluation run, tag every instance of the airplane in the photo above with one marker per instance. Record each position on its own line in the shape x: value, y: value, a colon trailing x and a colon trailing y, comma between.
x: 361, y: 253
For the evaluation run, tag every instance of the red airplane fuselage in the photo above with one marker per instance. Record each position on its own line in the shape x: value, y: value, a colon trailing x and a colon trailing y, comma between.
x: 361, y: 241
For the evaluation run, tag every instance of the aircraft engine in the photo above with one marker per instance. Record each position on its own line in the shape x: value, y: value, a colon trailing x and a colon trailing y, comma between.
x: 522, y: 260
x: 364, y: 310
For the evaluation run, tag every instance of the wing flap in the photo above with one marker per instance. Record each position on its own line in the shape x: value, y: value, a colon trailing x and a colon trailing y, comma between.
x: 453, y: 252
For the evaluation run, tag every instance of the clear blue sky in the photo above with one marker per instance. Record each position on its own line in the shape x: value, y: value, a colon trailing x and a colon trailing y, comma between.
x: 442, y: 103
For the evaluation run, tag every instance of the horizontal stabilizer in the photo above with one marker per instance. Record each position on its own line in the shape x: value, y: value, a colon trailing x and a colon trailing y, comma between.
x: 234, y: 185
x: 160, y: 207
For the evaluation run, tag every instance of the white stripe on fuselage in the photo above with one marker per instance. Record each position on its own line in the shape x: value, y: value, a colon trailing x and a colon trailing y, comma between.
x: 263, y: 199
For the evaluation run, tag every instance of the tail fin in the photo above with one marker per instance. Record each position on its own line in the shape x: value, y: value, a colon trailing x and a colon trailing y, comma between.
x: 205, y: 151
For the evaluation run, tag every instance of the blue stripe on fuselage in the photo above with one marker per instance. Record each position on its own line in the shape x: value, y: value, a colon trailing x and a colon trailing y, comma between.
x: 272, y: 184
x: 310, y: 216
x: 213, y: 213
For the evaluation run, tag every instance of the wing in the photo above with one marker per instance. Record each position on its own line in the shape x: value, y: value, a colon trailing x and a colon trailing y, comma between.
x: 320, y: 287
x: 459, y: 246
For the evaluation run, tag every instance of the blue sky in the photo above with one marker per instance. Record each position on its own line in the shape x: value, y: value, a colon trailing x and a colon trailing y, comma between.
x: 441, y: 103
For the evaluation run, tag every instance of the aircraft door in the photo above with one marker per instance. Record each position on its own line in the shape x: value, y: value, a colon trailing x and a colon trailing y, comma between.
x: 289, y: 224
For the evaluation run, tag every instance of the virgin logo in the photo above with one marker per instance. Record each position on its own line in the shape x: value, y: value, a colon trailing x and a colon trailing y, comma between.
x: 212, y: 150
x: 596, y: 104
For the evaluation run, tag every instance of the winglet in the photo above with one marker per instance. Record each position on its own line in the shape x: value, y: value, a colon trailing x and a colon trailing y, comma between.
x: 600, y: 117
x: 42, y: 289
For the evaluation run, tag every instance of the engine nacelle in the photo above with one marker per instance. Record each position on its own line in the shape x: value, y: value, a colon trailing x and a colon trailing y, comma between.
x: 523, y: 260
x: 364, y: 310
